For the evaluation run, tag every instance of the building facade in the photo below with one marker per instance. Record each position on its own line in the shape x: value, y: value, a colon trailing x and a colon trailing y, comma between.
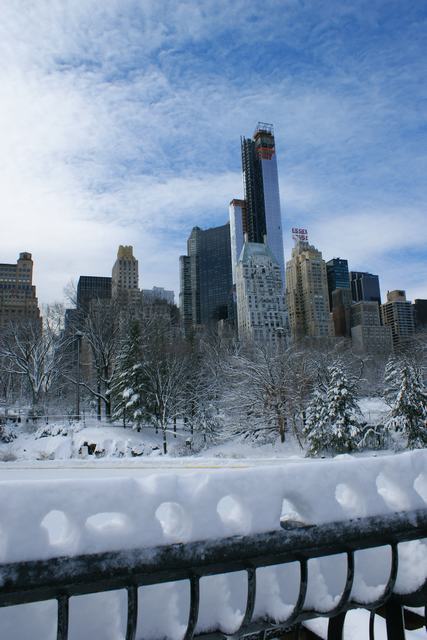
x: 18, y: 300
x: 367, y: 334
x: 398, y: 314
x: 185, y: 297
x: 238, y: 228
x: 420, y: 313
x: 258, y: 215
x: 125, y: 278
x: 338, y: 276
x: 261, y: 315
x: 206, y: 277
x: 341, y: 308
x: 365, y: 287
x: 307, y: 293
x: 158, y: 293
x: 90, y: 288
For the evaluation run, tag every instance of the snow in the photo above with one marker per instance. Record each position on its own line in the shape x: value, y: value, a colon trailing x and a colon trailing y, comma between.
x: 72, y: 504
x: 356, y: 626
x: 374, y: 409
x: 204, y: 503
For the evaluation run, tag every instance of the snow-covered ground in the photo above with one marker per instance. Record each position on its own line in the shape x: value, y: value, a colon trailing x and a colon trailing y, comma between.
x: 99, y: 445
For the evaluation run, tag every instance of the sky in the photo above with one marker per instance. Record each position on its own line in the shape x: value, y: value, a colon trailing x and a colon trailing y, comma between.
x: 120, y: 123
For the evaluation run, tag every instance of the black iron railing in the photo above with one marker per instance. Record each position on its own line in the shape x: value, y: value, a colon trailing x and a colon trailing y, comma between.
x: 65, y: 577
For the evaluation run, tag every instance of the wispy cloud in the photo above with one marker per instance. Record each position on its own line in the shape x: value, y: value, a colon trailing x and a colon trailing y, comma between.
x: 120, y: 123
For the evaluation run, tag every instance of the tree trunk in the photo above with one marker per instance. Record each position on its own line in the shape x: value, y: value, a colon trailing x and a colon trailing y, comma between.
x: 165, y: 444
x: 192, y: 418
x: 282, y: 428
x: 174, y: 426
x: 108, y: 409
x: 107, y: 398
x: 98, y: 401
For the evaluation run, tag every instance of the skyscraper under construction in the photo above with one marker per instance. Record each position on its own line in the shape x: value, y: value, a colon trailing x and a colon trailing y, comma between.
x: 258, y: 215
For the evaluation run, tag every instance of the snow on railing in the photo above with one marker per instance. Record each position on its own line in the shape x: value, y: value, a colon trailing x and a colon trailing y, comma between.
x: 52, y: 518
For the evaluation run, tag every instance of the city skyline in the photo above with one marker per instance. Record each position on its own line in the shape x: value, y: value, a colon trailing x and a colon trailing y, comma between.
x: 121, y: 123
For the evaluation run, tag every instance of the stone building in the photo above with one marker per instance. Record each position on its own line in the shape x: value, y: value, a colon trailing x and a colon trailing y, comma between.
x: 124, y: 278
x: 307, y: 293
x: 398, y: 314
x: 261, y: 315
x: 367, y: 334
x: 18, y: 300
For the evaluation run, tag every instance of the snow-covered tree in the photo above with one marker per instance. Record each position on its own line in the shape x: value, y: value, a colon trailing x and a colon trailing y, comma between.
x: 345, y: 430
x: 333, y: 423
x: 100, y: 327
x: 34, y: 353
x: 164, y: 370
x: 391, y: 380
x: 127, y: 381
x: 408, y: 414
x: 256, y: 396
x: 316, y: 429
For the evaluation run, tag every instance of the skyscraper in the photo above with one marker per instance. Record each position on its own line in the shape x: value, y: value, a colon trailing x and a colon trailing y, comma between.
x: 258, y: 214
x: 420, y: 313
x: 365, y: 287
x: 205, y: 277
x: 398, y: 313
x: 367, y: 334
x: 18, y: 301
x: 91, y: 288
x: 238, y: 228
x: 307, y: 293
x: 124, y: 279
x: 261, y: 315
x: 341, y: 306
x: 185, y: 295
x: 338, y: 276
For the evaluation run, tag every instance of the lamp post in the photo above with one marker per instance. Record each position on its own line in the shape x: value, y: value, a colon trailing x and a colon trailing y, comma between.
x: 79, y: 337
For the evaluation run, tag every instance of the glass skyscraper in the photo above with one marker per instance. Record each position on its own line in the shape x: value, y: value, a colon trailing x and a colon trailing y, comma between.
x: 258, y: 215
x: 338, y: 276
x: 206, y: 280
x: 92, y: 288
x: 365, y: 287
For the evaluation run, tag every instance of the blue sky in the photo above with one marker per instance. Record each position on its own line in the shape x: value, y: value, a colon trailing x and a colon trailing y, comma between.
x: 120, y: 123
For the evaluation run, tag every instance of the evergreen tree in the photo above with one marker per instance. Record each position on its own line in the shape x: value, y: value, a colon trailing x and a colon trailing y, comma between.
x: 333, y: 416
x: 127, y: 382
x: 316, y: 429
x: 408, y: 414
x: 391, y: 380
x: 345, y: 430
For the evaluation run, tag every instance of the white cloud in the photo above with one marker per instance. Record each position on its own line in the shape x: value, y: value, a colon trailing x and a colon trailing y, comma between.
x: 114, y: 132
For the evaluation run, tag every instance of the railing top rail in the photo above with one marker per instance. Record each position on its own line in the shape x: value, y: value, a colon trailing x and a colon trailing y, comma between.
x: 42, y: 579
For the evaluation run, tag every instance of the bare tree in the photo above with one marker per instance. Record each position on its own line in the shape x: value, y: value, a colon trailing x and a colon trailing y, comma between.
x: 100, y: 330
x: 205, y: 385
x: 164, y: 371
x: 34, y: 353
x: 257, y: 395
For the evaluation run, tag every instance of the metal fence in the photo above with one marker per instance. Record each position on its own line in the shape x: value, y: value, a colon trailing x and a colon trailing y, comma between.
x: 65, y: 577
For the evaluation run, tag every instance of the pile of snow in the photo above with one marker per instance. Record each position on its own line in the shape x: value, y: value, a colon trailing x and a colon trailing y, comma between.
x: 61, y: 441
x: 7, y: 434
x: 43, y: 519
x: 53, y: 430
